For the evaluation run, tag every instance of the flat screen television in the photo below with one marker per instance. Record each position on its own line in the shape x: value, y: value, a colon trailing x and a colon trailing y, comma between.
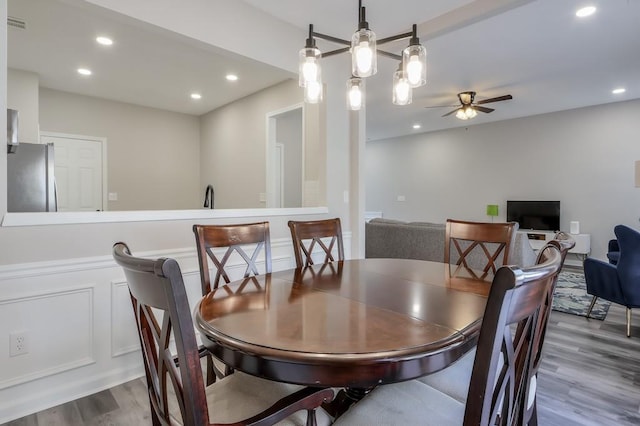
x: 539, y: 215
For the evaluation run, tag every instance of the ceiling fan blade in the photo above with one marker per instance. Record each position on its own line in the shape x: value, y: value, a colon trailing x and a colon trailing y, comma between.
x: 498, y: 99
x: 449, y: 113
x: 484, y: 109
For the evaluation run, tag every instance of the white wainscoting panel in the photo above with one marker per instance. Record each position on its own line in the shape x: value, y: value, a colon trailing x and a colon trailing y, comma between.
x: 82, y: 335
x: 59, y: 333
x: 124, y: 337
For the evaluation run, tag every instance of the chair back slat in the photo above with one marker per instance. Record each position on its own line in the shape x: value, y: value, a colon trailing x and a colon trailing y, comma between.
x: 236, y: 238
x: 490, y: 241
x: 506, y: 352
x: 307, y: 234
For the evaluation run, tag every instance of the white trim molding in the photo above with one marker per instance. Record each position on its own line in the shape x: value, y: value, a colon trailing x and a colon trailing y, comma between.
x: 68, y: 218
x: 37, y: 371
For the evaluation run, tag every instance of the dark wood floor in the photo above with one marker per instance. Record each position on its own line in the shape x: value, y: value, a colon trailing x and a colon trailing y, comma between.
x: 590, y: 373
x: 590, y: 376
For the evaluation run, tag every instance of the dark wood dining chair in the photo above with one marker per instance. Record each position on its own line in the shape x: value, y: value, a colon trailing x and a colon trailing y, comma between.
x: 235, y: 238
x: 307, y: 235
x: 156, y: 287
x: 562, y: 242
x: 454, y: 380
x: 499, y: 386
x: 478, y: 245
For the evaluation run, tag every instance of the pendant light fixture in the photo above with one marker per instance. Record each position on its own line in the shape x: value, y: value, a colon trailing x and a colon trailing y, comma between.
x: 313, y: 92
x: 364, y: 60
x: 309, y: 71
x: 355, y: 93
x: 364, y: 51
x: 402, y: 93
x: 414, y: 61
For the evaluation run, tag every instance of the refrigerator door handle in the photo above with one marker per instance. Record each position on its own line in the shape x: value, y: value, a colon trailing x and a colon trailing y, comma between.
x: 52, y: 191
x: 55, y: 195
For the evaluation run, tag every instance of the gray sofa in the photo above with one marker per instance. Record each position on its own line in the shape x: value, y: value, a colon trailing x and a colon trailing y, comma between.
x: 425, y: 241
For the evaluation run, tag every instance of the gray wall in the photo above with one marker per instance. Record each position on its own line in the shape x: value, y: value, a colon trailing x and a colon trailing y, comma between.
x: 233, y: 145
x: 289, y: 134
x: 152, y: 155
x: 22, y: 95
x: 584, y: 158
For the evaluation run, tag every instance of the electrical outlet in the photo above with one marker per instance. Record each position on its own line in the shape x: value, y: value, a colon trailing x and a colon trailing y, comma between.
x: 18, y: 343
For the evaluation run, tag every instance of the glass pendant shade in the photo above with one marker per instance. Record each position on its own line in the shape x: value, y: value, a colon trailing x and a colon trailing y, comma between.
x: 309, y: 66
x: 466, y: 112
x: 461, y: 115
x: 414, y: 62
x: 470, y: 112
x: 402, y: 93
x: 313, y: 92
x: 355, y: 93
x: 363, y: 53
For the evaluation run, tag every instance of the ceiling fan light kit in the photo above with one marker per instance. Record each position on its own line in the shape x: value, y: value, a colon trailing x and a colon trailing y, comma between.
x: 411, y: 73
x: 466, y: 112
x: 469, y: 108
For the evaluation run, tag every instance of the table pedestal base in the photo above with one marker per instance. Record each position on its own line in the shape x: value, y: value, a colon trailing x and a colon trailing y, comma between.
x: 344, y: 399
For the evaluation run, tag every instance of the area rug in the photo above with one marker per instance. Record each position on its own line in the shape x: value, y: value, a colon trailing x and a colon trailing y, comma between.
x: 571, y: 297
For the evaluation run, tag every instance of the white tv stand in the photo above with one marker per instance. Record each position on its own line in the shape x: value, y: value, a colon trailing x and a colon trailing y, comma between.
x: 538, y: 239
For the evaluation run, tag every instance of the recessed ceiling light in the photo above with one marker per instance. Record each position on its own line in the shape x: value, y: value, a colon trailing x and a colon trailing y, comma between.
x: 585, y: 11
x: 196, y: 96
x: 84, y: 71
x: 105, y: 41
x: 416, y: 126
x: 618, y: 90
x: 232, y: 77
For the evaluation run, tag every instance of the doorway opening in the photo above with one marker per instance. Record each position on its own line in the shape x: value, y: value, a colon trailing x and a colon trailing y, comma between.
x: 285, y: 157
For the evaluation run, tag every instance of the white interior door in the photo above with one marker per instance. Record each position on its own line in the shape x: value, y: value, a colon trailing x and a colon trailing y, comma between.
x: 78, y: 172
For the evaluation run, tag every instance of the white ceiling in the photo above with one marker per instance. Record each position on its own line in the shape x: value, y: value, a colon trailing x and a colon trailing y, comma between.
x: 535, y: 50
x: 146, y: 65
x: 538, y: 51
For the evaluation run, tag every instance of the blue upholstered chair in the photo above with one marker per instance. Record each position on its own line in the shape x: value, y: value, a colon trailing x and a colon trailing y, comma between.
x: 617, y: 283
x: 613, y: 252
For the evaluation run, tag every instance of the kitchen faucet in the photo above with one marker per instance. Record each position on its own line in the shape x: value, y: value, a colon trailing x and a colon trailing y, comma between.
x: 208, y: 197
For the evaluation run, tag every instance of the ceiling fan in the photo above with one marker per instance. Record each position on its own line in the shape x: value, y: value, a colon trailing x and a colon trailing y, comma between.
x: 469, y: 109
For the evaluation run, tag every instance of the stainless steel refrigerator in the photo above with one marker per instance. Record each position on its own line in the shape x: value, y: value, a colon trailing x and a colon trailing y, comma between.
x: 30, y: 179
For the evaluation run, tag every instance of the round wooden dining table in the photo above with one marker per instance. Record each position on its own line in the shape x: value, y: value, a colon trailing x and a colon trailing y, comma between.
x: 354, y: 324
